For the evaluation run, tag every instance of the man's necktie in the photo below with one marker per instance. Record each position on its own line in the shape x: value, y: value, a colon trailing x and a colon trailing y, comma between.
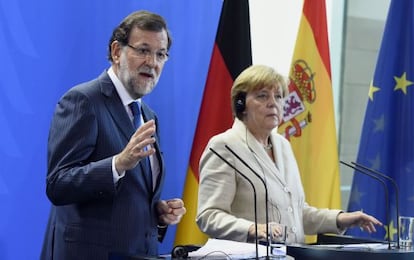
x: 145, y: 162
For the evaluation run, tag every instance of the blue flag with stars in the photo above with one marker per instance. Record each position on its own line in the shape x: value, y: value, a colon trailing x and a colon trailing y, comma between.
x: 387, y: 139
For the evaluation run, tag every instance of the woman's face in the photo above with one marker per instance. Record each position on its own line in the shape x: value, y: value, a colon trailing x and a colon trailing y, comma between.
x: 264, y: 109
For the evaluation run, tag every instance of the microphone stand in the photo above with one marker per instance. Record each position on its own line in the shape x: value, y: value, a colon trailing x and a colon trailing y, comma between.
x: 396, y: 196
x: 266, y: 198
x: 385, y: 191
x: 254, y: 194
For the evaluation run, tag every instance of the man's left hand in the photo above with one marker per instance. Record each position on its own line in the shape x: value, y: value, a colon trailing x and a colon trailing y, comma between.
x: 170, y: 211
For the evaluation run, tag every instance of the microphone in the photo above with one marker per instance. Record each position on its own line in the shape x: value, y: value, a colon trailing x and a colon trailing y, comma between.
x: 396, y: 195
x: 385, y: 191
x: 266, y: 197
x: 254, y: 195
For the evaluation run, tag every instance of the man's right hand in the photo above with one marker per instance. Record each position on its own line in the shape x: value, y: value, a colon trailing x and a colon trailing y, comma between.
x: 134, y: 151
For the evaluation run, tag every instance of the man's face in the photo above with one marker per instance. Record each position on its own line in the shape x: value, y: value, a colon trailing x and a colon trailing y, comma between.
x: 141, y: 62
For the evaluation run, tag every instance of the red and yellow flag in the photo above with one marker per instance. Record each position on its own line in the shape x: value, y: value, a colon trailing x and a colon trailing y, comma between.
x: 231, y: 55
x: 309, y: 119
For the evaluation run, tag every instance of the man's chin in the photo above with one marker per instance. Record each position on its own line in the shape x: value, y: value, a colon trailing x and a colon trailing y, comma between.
x: 144, y: 89
x: 148, y: 89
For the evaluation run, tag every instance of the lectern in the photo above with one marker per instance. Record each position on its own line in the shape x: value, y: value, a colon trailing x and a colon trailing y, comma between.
x: 340, y: 248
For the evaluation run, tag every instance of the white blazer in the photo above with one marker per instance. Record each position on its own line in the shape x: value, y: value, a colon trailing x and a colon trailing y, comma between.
x: 226, y: 199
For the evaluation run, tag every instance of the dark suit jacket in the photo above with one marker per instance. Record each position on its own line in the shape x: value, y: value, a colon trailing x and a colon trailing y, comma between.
x: 91, y: 216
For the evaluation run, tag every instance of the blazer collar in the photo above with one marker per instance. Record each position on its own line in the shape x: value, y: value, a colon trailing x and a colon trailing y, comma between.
x: 259, y: 152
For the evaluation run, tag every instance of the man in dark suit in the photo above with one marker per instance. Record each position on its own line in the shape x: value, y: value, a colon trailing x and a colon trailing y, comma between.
x: 105, y: 196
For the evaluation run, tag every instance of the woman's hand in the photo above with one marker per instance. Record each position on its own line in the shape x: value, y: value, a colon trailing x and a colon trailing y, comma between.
x: 357, y: 218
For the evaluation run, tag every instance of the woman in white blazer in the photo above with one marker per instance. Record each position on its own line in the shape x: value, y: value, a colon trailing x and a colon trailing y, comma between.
x: 226, y: 198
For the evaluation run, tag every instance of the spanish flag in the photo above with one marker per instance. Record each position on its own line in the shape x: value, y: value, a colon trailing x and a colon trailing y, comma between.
x: 309, y: 119
x: 231, y: 55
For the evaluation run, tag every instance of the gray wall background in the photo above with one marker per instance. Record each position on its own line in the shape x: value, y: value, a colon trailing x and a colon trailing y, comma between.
x: 363, y: 27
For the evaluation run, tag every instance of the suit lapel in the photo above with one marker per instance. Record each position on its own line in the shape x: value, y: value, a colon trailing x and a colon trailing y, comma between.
x: 263, y: 163
x: 116, y: 109
x: 266, y: 161
x: 114, y: 105
x: 119, y: 115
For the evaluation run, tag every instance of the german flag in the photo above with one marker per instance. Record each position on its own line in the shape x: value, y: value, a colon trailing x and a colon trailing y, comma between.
x: 231, y: 55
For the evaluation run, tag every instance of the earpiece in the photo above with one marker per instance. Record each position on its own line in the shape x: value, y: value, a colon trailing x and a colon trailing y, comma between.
x: 179, y: 252
x: 240, y: 104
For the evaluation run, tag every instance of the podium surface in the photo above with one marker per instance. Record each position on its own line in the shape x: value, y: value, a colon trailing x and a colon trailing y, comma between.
x: 345, y: 248
x: 321, y: 253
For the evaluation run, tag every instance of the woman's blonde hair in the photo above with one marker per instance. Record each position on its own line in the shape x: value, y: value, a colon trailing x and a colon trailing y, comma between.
x: 253, y: 78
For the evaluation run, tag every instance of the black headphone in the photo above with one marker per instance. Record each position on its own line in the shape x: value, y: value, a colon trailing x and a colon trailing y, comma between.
x: 240, y: 104
x: 181, y: 251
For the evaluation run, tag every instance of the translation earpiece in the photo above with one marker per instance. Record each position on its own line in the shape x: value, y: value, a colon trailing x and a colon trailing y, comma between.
x: 179, y: 252
x: 240, y: 104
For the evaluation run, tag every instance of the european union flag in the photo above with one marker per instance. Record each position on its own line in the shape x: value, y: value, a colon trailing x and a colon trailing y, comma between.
x: 387, y: 140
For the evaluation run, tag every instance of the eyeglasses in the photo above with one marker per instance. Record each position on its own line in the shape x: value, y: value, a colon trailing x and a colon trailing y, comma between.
x: 143, y: 52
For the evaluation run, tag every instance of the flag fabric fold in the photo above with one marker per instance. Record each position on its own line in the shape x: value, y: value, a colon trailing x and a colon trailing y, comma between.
x: 387, y: 143
x: 309, y: 119
x: 231, y: 54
